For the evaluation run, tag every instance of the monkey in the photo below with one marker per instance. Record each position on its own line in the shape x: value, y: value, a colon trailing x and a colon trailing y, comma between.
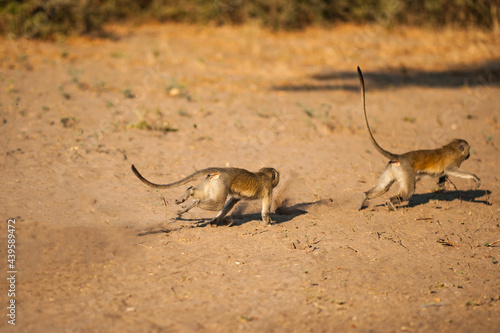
x: 221, y: 182
x: 404, y: 168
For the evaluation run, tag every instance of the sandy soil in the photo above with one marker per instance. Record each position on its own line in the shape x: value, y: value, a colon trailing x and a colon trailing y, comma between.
x: 98, y: 251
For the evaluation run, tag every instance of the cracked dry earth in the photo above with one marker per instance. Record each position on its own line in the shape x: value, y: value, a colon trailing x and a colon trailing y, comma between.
x: 98, y: 251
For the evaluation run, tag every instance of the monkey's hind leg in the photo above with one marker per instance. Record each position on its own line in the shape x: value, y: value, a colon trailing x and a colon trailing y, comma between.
x: 383, y: 185
x: 185, y: 208
x: 406, y: 180
x: 226, y: 209
x: 189, y: 192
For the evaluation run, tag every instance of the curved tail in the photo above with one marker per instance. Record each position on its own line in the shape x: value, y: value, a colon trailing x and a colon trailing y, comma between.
x: 174, y: 184
x: 381, y: 150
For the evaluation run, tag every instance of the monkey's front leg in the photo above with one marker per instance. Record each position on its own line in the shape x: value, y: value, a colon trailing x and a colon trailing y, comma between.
x: 463, y: 174
x: 266, y: 209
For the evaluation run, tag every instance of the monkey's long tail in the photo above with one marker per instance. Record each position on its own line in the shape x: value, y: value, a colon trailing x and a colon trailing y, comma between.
x: 381, y: 150
x: 174, y: 184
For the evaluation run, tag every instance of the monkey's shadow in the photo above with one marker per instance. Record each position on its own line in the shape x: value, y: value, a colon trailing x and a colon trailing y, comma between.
x: 469, y: 196
x: 281, y: 215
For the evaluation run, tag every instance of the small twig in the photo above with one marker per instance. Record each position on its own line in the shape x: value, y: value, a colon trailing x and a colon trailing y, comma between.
x: 482, y: 295
x: 424, y: 219
x: 433, y: 304
x: 445, y: 234
x: 351, y: 248
x: 314, y: 192
x: 492, y: 243
x: 401, y: 243
x: 445, y: 242
x: 165, y: 202
x: 448, y: 179
x: 399, y: 240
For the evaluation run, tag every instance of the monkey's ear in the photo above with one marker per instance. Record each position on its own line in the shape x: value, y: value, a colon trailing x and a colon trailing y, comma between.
x: 276, y: 175
x: 461, y: 147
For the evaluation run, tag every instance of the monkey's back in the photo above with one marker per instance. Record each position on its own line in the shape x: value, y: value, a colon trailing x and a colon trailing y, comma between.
x: 432, y: 161
x: 246, y: 184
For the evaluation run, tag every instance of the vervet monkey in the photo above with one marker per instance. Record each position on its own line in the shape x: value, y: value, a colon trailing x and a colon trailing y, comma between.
x: 404, y: 168
x: 221, y: 182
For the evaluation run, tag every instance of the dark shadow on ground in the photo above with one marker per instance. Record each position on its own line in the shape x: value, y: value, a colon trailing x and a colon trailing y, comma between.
x: 166, y: 229
x: 469, y: 196
x: 448, y: 196
x: 485, y: 74
x: 283, y: 214
x: 155, y: 230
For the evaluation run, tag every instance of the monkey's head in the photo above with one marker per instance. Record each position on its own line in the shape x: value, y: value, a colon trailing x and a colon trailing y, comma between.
x: 462, y: 147
x: 273, y: 174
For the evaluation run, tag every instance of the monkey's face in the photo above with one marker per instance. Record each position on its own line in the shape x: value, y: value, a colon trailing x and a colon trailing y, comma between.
x: 462, y: 147
x: 465, y: 149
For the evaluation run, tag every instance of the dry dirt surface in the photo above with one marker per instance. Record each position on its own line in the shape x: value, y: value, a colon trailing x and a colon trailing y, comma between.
x: 98, y: 251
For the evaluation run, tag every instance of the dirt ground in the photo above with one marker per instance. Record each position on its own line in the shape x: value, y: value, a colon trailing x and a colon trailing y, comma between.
x: 98, y: 251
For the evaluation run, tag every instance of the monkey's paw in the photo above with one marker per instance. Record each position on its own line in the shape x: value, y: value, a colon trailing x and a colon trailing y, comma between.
x: 391, y: 206
x: 478, y: 182
x: 217, y: 222
x: 214, y: 223
x: 362, y: 202
x: 183, y: 210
